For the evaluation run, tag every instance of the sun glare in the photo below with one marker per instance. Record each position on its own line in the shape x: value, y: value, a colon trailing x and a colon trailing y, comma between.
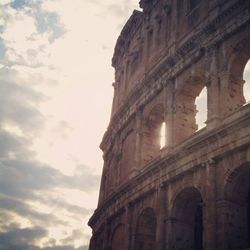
x: 246, y: 89
x: 163, y: 135
x: 201, y: 107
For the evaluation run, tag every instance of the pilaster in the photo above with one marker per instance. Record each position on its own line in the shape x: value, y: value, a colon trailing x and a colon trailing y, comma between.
x: 160, y: 210
x: 213, y: 102
x: 209, y: 208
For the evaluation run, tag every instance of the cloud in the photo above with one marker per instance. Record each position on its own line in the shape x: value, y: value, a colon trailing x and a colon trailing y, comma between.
x: 27, y: 238
x: 17, y: 239
x: 12, y: 145
x: 62, y: 129
x: 18, y: 101
x: 10, y: 205
x: 20, y: 178
x: 5, y: 2
x: 27, y: 30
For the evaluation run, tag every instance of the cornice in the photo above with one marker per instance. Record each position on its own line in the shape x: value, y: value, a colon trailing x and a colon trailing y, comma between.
x: 180, y: 156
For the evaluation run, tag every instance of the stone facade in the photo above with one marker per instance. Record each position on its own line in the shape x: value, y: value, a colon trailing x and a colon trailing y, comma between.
x: 194, y: 193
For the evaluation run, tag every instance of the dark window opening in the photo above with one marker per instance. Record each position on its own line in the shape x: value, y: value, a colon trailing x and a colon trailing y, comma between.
x: 198, y: 229
x: 248, y: 219
x: 193, y: 4
x: 145, y: 238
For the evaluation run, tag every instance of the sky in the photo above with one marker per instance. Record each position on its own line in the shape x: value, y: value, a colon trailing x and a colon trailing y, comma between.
x: 55, y: 101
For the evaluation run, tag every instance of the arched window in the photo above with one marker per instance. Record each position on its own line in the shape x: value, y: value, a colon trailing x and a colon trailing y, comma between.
x: 152, y: 133
x: 163, y: 135
x: 145, y: 238
x: 187, y: 227
x: 192, y: 93
x: 238, y: 82
x: 118, y: 238
x: 198, y: 228
x: 237, y: 221
x: 248, y: 218
x: 201, y: 107
x: 246, y: 77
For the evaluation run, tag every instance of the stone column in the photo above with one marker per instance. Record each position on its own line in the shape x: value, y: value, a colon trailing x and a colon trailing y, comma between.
x: 168, y: 221
x: 128, y: 229
x: 92, y: 243
x: 224, y: 95
x: 169, y: 114
x: 138, y: 143
x: 231, y: 93
x: 169, y: 233
x: 107, y: 236
x: 160, y: 213
x: 213, y: 102
x: 209, y: 208
x: 222, y: 207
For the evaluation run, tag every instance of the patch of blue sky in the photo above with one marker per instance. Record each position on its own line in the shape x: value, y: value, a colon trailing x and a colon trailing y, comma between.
x: 19, y: 4
x: 49, y: 21
x: 45, y: 21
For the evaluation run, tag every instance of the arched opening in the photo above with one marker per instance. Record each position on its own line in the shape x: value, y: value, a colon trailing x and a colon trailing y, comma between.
x: 238, y: 83
x: 248, y: 218
x: 246, y: 87
x: 187, y: 221
x: 152, y: 133
x: 198, y: 228
x: 201, y: 107
x: 237, y: 210
x: 186, y: 121
x: 163, y: 135
x: 118, y: 238
x: 127, y: 158
x: 145, y: 238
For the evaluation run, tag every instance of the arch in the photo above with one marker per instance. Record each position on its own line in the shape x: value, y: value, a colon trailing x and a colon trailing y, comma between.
x: 201, y: 107
x: 118, y: 238
x: 127, y: 155
x: 145, y: 237
x: 238, y: 58
x: 185, y: 117
x: 152, y: 124
x: 237, y: 209
x: 246, y: 79
x: 187, y: 220
x: 163, y: 135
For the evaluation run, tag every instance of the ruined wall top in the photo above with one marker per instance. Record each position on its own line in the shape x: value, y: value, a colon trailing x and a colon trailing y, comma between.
x: 151, y: 35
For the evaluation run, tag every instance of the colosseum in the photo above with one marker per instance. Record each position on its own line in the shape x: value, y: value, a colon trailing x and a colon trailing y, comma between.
x: 167, y: 183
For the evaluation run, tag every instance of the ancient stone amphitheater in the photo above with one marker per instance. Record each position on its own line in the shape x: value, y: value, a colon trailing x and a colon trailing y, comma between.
x: 193, y: 192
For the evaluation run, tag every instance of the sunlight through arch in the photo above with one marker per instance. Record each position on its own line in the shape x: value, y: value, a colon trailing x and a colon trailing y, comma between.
x: 246, y: 77
x: 163, y: 135
x: 201, y: 107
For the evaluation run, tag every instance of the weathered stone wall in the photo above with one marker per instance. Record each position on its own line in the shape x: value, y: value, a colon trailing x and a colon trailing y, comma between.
x: 194, y: 193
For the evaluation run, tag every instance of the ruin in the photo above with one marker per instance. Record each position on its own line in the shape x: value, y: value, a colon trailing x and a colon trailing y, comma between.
x: 193, y: 191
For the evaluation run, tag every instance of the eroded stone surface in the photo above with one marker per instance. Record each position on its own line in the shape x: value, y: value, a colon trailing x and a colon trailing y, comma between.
x: 195, y: 192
